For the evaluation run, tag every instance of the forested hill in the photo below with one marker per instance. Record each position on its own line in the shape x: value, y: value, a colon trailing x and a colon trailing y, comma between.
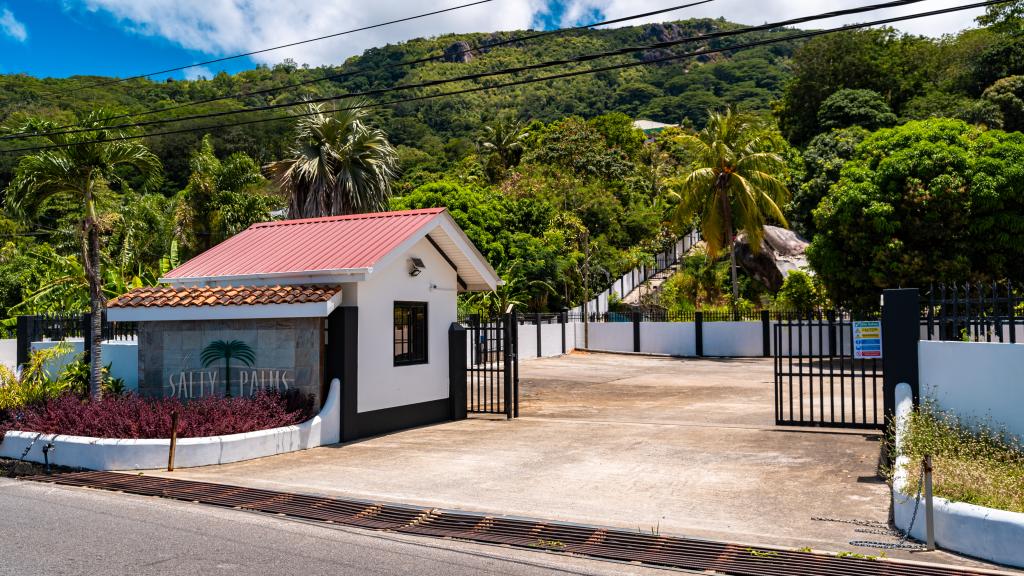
x: 443, y: 128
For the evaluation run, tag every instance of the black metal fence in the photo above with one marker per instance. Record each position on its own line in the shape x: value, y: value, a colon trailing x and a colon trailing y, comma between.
x: 972, y: 313
x: 60, y: 327
x: 657, y: 315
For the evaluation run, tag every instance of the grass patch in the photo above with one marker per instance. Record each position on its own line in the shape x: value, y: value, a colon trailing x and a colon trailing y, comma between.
x: 971, y: 463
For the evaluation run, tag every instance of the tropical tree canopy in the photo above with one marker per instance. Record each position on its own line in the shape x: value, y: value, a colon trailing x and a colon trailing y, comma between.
x: 734, y: 183
x: 339, y: 165
x: 81, y: 175
x: 929, y: 201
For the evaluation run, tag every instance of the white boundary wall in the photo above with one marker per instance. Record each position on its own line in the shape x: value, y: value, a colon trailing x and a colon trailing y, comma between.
x: 9, y: 352
x: 122, y: 355
x: 149, y: 454
x: 977, y: 381
x: 985, y: 533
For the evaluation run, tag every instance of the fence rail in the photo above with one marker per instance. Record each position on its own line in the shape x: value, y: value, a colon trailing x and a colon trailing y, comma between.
x: 973, y: 313
x: 60, y: 327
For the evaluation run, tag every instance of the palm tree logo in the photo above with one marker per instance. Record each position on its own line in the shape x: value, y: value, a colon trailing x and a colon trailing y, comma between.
x: 226, y: 350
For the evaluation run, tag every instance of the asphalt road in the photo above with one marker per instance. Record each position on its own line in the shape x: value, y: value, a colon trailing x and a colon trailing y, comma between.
x: 46, y: 529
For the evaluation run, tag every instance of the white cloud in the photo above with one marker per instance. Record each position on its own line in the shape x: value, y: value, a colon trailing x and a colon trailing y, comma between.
x: 762, y: 11
x: 223, y: 27
x: 198, y: 72
x: 233, y: 26
x: 10, y: 26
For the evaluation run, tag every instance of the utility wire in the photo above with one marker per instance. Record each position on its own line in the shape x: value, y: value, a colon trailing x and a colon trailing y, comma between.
x: 289, y: 45
x: 481, y: 75
x: 709, y: 51
x: 339, y: 76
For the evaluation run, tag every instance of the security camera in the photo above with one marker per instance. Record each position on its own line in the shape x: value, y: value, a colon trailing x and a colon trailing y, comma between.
x: 416, y: 266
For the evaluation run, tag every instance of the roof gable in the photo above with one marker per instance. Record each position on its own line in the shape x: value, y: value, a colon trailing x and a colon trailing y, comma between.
x: 327, y: 249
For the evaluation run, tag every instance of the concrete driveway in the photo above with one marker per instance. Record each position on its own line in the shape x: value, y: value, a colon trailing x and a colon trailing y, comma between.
x: 680, y: 446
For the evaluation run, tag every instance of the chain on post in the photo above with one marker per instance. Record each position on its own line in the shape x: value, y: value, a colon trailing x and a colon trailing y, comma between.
x: 882, y: 528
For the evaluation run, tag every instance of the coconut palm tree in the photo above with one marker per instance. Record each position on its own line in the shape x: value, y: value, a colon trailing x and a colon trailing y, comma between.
x: 76, y: 174
x: 339, y: 165
x: 505, y: 139
x: 734, y: 183
x: 226, y: 350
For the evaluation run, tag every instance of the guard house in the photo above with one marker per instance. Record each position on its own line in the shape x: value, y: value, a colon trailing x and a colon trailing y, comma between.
x: 366, y: 298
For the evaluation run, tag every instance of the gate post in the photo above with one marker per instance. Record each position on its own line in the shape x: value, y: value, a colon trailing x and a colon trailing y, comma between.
x: 901, y: 331
x: 536, y: 320
x: 28, y: 331
x: 698, y: 330
x: 507, y: 358
x: 515, y: 366
x: 457, y: 370
x: 766, y: 333
x: 636, y: 330
x: 563, y: 319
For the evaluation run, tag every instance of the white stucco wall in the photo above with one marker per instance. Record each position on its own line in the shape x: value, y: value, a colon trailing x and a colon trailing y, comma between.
x: 122, y: 355
x: 975, y: 380
x: 381, y: 383
x: 9, y: 352
x: 611, y: 336
x: 671, y: 338
x: 551, y: 339
x: 977, y: 531
x: 733, y: 339
x: 527, y: 341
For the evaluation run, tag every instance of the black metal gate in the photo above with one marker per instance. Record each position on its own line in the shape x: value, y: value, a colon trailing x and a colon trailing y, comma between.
x: 492, y: 373
x: 818, y: 382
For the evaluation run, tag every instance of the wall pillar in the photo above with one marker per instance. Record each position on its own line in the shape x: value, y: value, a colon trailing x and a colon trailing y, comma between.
x: 901, y: 331
x: 457, y: 370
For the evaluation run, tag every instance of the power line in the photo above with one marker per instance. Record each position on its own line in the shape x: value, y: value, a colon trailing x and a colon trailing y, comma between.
x: 289, y: 45
x: 709, y: 51
x: 487, y: 46
x: 481, y: 75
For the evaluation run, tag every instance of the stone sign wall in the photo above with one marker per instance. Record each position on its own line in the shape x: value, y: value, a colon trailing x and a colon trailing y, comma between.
x: 191, y: 358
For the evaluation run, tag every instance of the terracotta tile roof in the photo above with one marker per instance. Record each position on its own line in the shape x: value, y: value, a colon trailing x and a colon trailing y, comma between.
x: 223, y: 296
x: 354, y: 242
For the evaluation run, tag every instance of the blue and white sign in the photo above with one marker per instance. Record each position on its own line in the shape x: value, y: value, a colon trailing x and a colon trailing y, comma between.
x: 867, y: 339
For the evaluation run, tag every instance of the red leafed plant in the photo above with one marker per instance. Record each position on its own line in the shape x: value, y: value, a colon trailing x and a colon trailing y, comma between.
x: 131, y: 416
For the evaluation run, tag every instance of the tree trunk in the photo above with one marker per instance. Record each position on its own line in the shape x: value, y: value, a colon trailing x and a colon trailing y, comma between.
x: 723, y: 196
x: 97, y: 307
x: 732, y: 264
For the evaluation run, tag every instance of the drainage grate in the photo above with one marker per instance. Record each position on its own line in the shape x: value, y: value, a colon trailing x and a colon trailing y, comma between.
x: 604, y: 543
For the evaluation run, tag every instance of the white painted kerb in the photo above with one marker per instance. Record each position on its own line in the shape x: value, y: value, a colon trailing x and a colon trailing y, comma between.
x: 986, y: 533
x: 124, y: 454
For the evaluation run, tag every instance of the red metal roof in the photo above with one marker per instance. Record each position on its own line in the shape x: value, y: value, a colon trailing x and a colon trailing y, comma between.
x: 356, y: 241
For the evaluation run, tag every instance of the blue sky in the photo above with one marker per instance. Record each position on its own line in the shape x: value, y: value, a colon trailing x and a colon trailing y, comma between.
x: 126, y: 37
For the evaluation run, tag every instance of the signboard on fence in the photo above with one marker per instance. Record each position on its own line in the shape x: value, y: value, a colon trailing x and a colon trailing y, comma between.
x: 867, y: 339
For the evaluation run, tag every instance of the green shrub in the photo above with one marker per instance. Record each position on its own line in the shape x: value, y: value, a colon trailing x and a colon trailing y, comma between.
x: 33, y: 385
x: 971, y: 462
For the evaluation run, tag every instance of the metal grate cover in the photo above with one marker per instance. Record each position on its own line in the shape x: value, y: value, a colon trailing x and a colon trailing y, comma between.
x: 653, y: 549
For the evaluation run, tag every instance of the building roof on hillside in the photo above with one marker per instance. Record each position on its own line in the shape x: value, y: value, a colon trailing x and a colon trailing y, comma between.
x: 333, y: 249
x: 223, y: 296
x: 650, y: 125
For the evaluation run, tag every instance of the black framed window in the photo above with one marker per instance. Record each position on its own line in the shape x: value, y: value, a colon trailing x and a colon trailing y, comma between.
x: 410, y: 333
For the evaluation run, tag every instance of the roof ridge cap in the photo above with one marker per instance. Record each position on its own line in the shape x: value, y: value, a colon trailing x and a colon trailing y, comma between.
x: 345, y: 217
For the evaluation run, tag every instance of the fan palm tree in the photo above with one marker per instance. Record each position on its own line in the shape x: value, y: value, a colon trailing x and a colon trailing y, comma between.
x: 734, y: 183
x: 339, y: 165
x: 226, y: 350
x: 76, y: 174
